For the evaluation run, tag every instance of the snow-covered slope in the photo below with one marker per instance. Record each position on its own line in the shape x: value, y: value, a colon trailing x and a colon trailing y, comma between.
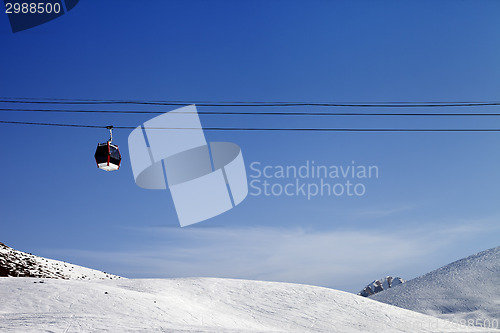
x: 198, y: 305
x: 381, y: 285
x: 17, y: 263
x: 465, y: 289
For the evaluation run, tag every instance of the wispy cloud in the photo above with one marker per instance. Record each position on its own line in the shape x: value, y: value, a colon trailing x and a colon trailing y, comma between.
x: 340, y: 259
x: 384, y: 212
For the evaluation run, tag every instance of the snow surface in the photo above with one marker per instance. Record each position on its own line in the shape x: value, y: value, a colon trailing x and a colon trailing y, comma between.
x: 467, y: 289
x: 198, y: 305
x: 18, y: 263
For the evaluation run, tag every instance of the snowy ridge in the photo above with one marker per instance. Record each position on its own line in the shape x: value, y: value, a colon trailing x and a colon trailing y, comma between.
x: 381, y: 285
x: 467, y: 289
x: 199, y: 305
x: 20, y: 264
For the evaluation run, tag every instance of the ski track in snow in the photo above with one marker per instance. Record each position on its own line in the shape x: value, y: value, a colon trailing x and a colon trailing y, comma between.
x: 198, y: 305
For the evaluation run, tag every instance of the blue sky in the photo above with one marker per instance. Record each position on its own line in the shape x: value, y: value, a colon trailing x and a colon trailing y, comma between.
x: 436, y: 197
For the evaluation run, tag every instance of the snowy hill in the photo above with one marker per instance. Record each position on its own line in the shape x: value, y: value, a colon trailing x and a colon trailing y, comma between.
x: 21, y: 264
x: 467, y: 289
x: 381, y: 285
x: 198, y: 305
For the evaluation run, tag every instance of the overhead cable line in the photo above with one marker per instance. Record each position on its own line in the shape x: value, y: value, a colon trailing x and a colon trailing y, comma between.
x: 234, y: 102
x: 256, y: 113
x: 51, y: 124
x: 249, y: 104
x: 269, y: 129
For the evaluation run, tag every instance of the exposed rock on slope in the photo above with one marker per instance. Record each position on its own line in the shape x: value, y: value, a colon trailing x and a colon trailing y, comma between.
x: 20, y: 264
x: 381, y: 285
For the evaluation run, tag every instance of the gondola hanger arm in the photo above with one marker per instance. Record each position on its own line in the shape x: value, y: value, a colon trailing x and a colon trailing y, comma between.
x: 110, y: 127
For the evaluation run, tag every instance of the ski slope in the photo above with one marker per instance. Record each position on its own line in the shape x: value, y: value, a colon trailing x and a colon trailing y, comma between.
x: 467, y: 289
x: 198, y: 305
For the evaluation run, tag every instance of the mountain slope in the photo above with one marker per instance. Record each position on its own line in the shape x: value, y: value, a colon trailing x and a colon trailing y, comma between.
x: 198, y: 305
x: 467, y: 289
x: 20, y: 264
